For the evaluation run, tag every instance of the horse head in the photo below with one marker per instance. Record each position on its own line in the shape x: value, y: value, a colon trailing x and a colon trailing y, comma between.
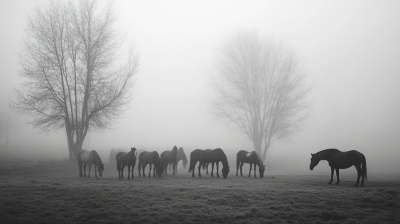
x: 181, y: 155
x: 261, y: 171
x: 160, y: 170
x: 314, y: 161
x: 100, y: 169
x: 184, y: 162
x: 225, y: 172
x: 133, y: 150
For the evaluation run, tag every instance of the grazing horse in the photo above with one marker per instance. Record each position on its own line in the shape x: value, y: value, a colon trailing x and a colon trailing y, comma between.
x: 170, y: 157
x: 243, y: 157
x: 126, y: 159
x: 341, y: 160
x: 182, y: 156
x: 86, y: 157
x: 209, y: 156
x: 150, y: 158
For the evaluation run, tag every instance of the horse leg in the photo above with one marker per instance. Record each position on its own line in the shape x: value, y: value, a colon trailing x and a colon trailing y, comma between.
x: 255, y: 175
x: 95, y: 171
x: 217, y: 168
x: 241, y: 166
x: 199, y: 169
x: 251, y: 165
x: 150, y: 170
x: 337, y: 176
x: 359, y: 173
x: 173, y: 168
x: 154, y: 170
x: 122, y: 170
x: 237, y: 167
x: 90, y: 167
x: 143, y: 167
x: 212, y: 169
x: 84, y: 170
x: 129, y: 171
x: 133, y: 168
x: 332, y: 170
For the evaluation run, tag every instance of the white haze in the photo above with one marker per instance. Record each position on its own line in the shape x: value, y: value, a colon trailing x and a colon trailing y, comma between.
x: 350, y: 50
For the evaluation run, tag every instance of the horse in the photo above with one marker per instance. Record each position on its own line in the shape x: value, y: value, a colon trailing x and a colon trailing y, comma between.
x: 126, y: 159
x: 209, y: 156
x: 170, y: 157
x: 341, y: 160
x: 150, y: 158
x: 182, y: 156
x: 243, y: 157
x: 85, y: 158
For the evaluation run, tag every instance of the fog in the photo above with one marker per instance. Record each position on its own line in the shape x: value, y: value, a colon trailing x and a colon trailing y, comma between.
x: 349, y: 49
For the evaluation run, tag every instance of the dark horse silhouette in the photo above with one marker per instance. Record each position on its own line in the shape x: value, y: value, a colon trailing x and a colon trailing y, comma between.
x: 126, y: 159
x: 341, y: 160
x: 170, y: 157
x: 243, y: 157
x: 150, y: 158
x: 209, y: 156
x: 85, y: 158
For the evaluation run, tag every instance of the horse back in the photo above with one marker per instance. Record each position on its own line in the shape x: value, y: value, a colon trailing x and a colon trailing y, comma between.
x: 344, y: 160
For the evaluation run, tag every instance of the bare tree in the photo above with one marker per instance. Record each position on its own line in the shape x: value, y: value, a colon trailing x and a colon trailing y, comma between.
x: 260, y: 88
x: 71, y: 62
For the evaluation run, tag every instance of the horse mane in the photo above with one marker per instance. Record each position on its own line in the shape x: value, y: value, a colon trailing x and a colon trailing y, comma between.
x: 261, y: 164
x: 326, y: 153
x: 224, y: 160
x: 97, y: 158
x: 181, y: 154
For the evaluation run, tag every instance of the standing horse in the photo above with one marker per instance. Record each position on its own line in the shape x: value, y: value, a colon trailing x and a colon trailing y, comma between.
x: 86, y: 157
x: 170, y: 157
x: 243, y: 157
x: 126, y: 159
x: 150, y: 158
x: 209, y: 156
x: 341, y: 160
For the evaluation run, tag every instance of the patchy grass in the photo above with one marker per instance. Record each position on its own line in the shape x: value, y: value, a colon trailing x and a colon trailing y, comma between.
x: 51, y: 191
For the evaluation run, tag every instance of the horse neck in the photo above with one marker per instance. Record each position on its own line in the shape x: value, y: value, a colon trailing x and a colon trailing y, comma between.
x: 325, y: 154
x: 224, y: 160
x: 97, y: 159
x: 258, y: 161
x: 181, y: 155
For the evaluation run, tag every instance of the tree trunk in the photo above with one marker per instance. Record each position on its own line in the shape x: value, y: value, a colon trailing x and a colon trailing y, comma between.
x: 257, y: 145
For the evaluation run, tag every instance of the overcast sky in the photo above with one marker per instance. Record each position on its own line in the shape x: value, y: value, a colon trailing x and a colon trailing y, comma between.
x: 350, y: 50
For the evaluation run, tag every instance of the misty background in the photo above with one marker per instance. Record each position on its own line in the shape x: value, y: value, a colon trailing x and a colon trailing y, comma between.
x: 349, y: 49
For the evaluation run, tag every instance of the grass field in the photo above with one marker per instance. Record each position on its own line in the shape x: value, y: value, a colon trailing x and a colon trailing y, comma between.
x: 51, y: 192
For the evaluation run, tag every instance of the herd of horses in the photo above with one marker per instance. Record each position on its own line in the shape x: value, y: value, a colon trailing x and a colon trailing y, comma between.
x: 170, y: 158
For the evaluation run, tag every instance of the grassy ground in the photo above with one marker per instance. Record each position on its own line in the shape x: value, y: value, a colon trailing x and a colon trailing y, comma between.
x: 52, y: 192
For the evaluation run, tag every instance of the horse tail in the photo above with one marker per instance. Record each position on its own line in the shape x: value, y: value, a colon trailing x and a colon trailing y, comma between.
x: 118, y: 163
x: 237, y: 161
x: 140, y: 163
x: 79, y: 152
x: 190, y: 163
x: 364, y: 167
